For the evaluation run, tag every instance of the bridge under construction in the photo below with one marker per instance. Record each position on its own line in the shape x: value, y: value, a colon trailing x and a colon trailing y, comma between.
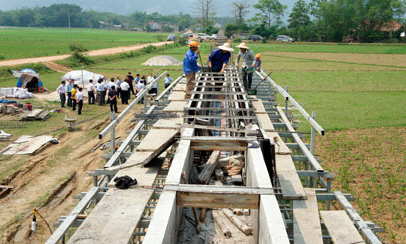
x: 221, y: 167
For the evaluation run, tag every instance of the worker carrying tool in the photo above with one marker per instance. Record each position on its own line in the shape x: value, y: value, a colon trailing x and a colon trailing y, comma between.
x: 248, y: 63
x: 190, y: 66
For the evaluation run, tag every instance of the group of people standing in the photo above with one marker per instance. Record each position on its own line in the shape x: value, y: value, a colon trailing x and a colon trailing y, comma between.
x: 107, y: 90
x: 217, y: 62
x: 74, y: 94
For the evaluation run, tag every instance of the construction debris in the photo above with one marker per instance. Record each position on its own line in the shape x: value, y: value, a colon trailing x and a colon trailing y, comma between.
x: 241, y: 225
x: 234, y: 166
x: 27, y: 145
x: 36, y: 114
x: 4, y: 136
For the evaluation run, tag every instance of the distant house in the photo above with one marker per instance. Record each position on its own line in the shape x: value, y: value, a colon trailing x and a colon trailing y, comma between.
x: 391, y: 26
x: 154, y: 26
x: 117, y: 27
x: 217, y: 25
x: 136, y: 29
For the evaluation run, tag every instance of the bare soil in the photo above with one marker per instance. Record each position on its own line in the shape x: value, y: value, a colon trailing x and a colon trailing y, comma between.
x: 371, y: 165
x: 57, y: 67
x: 397, y: 60
x: 49, y: 179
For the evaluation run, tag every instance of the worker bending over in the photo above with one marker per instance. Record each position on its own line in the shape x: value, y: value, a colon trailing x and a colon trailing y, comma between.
x: 248, y: 63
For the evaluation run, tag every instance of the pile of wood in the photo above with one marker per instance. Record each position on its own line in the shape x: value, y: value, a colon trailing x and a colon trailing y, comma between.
x: 9, y: 109
x: 36, y: 114
x: 225, y: 170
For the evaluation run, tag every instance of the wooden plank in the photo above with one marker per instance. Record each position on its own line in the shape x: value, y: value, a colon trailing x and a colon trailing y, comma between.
x: 289, y: 180
x: 340, y: 227
x: 265, y: 122
x: 220, y: 189
x: 217, y: 200
x: 280, y: 147
x: 175, y: 106
x: 180, y: 87
x: 211, y: 164
x: 306, y: 220
x: 174, y: 123
x: 114, y: 218
x: 237, y: 222
x: 223, y: 223
x: 177, y: 96
x: 259, y: 107
x: 156, y: 139
x: 219, y: 143
x: 145, y: 175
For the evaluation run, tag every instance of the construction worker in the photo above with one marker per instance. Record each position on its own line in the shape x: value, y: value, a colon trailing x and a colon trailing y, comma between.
x: 219, y: 58
x: 190, y: 66
x: 218, y: 61
x: 258, y: 62
x: 248, y: 63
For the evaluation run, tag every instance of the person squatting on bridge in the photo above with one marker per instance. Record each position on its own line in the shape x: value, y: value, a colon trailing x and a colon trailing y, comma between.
x: 218, y: 60
x: 248, y: 63
x: 190, y: 66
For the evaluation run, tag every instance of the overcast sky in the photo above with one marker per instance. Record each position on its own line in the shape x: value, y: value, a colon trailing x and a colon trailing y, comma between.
x: 164, y: 7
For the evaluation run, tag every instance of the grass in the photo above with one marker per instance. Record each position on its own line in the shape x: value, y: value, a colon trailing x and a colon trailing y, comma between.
x: 370, y: 164
x: 329, y: 48
x: 36, y: 42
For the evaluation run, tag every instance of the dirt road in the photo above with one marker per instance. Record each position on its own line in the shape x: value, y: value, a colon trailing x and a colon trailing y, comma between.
x: 100, y: 52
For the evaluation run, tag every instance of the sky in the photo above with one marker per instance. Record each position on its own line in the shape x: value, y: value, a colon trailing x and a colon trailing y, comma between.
x: 164, y: 7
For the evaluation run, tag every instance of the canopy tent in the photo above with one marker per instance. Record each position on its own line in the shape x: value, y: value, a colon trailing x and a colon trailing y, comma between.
x: 28, y: 78
x: 81, y: 77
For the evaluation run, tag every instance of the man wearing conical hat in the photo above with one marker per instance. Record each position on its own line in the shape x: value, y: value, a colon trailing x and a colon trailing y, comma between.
x: 248, y: 63
x: 219, y: 58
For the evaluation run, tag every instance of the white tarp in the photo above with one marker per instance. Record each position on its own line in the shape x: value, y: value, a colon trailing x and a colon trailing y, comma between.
x: 77, y: 76
x: 162, y: 61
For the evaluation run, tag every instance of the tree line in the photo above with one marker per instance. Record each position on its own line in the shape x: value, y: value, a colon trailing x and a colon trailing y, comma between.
x: 324, y: 20
x: 59, y: 15
x: 319, y: 20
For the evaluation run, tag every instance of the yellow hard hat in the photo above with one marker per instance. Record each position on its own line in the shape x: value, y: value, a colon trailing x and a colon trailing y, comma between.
x: 194, y: 44
x: 258, y: 55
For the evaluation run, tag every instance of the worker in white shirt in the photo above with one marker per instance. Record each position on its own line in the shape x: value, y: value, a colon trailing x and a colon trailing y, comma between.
x: 139, y: 87
x: 125, y: 92
x: 79, y: 100
x: 90, y: 92
x: 150, y: 80
x: 100, y: 91
x: 61, y: 90
x: 167, y: 80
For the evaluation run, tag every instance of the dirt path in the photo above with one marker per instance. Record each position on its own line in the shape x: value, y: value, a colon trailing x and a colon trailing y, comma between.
x: 100, y: 52
x: 50, y: 179
x: 57, y: 67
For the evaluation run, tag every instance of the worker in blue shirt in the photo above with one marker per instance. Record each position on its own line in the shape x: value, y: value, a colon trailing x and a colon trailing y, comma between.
x: 69, y: 87
x: 190, y: 66
x: 219, y: 58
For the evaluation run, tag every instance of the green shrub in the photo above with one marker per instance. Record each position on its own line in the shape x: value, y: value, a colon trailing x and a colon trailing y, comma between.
x: 1, y: 57
x: 237, y: 39
x: 160, y: 38
x: 76, y: 48
x: 77, y: 59
x: 148, y: 49
x: 182, y: 41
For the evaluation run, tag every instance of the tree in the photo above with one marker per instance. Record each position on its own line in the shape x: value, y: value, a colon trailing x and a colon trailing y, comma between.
x: 270, y: 11
x: 205, y: 10
x: 299, y: 15
x: 240, y: 10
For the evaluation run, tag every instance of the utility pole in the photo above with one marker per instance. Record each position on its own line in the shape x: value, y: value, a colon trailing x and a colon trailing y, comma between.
x: 70, y: 34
